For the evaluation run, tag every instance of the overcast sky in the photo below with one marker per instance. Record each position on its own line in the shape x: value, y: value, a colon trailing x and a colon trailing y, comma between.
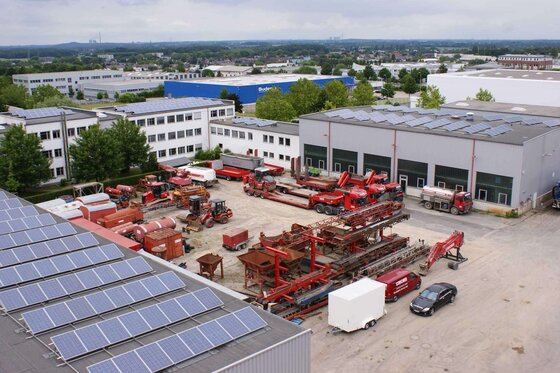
x: 60, y: 21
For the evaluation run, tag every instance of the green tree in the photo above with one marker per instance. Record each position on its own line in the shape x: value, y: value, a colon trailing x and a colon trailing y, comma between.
x: 369, y: 73
x: 326, y: 69
x: 70, y: 91
x: 385, y: 74
x: 56, y: 102
x: 235, y: 98
x: 99, y: 95
x: 351, y: 72
x: 224, y: 94
x: 304, y: 96
x: 16, y: 95
x: 272, y: 105
x: 335, y: 93
x: 131, y: 143
x: 128, y: 68
x: 207, y: 73
x: 362, y: 94
x: 402, y: 73
x: 105, y: 95
x: 95, y: 155
x: 256, y: 70
x: 45, y: 91
x: 408, y: 84
x: 431, y: 98
x: 442, y: 69
x: 484, y: 95
x: 22, y: 163
x: 305, y: 70
x: 151, y: 163
x: 388, y: 90
x: 80, y: 95
x: 181, y: 67
x: 421, y: 75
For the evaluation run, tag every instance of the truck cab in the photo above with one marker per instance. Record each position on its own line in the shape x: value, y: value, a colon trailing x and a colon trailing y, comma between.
x: 556, y: 196
x: 447, y: 200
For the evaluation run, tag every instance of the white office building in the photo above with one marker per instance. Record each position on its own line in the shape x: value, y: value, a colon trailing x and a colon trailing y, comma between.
x: 92, y: 88
x: 276, y: 142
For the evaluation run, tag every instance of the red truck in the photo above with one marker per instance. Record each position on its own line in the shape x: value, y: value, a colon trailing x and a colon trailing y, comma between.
x: 392, y: 192
x: 399, y: 282
x: 227, y: 172
x: 447, y: 200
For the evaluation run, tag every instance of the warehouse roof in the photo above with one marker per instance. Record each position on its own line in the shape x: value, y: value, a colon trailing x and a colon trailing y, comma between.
x: 74, y: 300
x: 258, y: 79
x: 166, y: 105
x: 553, y: 76
x: 53, y: 114
x: 508, y: 128
x: 265, y: 125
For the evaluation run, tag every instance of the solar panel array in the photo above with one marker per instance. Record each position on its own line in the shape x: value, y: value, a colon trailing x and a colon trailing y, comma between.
x: 50, y: 232
x: 18, y: 212
x: 77, y: 309
x: 132, y: 324
x: 418, y: 121
x: 59, y: 264
x: 10, y: 203
x: 168, y: 105
x: 254, y: 122
x: 28, y: 295
x: 178, y: 348
x: 41, y: 113
x: 504, y: 128
x: 28, y: 222
x: 476, y: 128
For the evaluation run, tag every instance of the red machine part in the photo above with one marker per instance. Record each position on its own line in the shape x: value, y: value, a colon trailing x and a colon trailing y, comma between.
x: 443, y: 249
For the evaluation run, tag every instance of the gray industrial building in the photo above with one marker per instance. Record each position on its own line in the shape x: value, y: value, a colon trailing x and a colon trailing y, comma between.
x: 507, y: 155
x: 71, y: 301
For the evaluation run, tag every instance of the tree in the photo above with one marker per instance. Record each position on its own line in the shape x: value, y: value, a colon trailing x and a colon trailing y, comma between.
x: 402, y: 73
x: 235, y: 98
x: 80, y: 95
x: 305, y: 70
x: 304, y: 96
x: 351, y: 72
x: 408, y: 84
x: 362, y: 94
x: 56, y: 102
x: 95, y: 155
x: 207, y: 73
x: 385, y: 74
x: 256, y: 70
x: 16, y: 95
x: 369, y: 73
x: 151, y: 163
x: 272, y: 105
x: 326, y: 69
x: 128, y: 68
x: 22, y: 163
x: 431, y: 98
x: 484, y: 95
x: 388, y: 90
x: 105, y: 95
x: 130, y: 142
x: 70, y: 91
x: 99, y: 95
x: 224, y: 94
x: 336, y: 94
x: 442, y: 69
x: 422, y: 75
x: 181, y: 67
x: 45, y: 91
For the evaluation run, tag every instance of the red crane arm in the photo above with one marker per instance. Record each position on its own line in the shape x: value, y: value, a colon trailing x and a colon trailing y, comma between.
x: 454, y: 241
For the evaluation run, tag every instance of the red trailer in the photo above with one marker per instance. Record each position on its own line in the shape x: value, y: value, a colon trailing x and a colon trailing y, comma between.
x: 235, y: 239
x: 94, y: 212
x: 120, y: 217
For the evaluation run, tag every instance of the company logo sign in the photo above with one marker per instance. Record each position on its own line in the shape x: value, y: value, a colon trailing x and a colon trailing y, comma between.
x: 264, y: 89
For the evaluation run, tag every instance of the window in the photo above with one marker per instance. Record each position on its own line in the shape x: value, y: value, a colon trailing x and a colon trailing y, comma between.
x: 160, y: 120
x: 250, y: 151
x: 345, y: 158
x: 337, y: 167
x: 151, y: 138
x: 271, y: 139
x: 220, y: 131
x: 80, y: 129
x: 180, y: 118
x: 71, y: 132
x: 351, y: 169
x: 172, y: 151
x: 416, y: 172
x: 60, y: 171
x: 313, y: 154
x: 58, y: 153
x: 47, y: 153
x: 288, y: 157
x: 213, y: 113
x: 222, y: 112
x: 162, y: 153
x: 250, y: 135
x: 226, y: 132
x: 221, y: 145
x: 45, y: 135
x: 482, y: 194
x: 190, y: 148
x: 494, y: 188
x: 503, y: 198
x: 287, y: 142
x: 161, y: 137
x: 322, y: 165
x: 171, y: 136
x: 229, y: 111
x: 271, y: 155
x: 379, y: 164
x: 265, y: 154
x: 181, y: 150
x: 52, y: 172
x: 441, y: 184
x: 56, y: 134
x: 180, y: 134
x: 198, y: 147
x: 281, y: 157
x: 213, y: 130
x: 189, y: 116
x: 151, y: 121
x: 234, y: 134
x: 171, y: 119
x: 451, y: 176
x: 420, y: 182
x: 459, y: 188
x: 141, y: 122
x: 241, y: 134
x: 280, y: 141
x: 265, y: 138
x: 198, y: 131
x: 308, y: 162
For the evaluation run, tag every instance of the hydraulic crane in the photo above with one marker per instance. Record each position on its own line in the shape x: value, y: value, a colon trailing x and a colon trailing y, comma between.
x: 444, y: 250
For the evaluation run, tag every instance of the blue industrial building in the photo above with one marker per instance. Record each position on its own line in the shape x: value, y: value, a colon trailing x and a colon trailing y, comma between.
x: 249, y: 88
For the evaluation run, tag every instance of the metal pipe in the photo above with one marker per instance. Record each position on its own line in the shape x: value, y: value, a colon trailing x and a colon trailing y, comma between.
x: 472, y: 165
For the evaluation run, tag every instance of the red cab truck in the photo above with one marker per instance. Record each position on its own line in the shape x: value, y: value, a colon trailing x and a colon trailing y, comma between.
x: 447, y: 200
x: 399, y: 282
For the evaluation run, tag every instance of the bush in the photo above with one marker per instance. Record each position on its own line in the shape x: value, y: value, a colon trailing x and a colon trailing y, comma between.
x: 63, y: 183
x: 209, y: 154
x: 512, y: 214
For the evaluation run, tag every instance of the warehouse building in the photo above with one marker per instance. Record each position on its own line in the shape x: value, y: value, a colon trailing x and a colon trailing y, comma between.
x: 526, y: 61
x: 507, y: 158
x: 91, y: 89
x: 73, y: 301
x: 57, y: 128
x: 175, y: 128
x: 248, y: 88
x: 512, y: 86
x: 276, y: 142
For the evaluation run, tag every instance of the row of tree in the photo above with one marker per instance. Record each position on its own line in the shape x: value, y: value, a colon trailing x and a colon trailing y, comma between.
x: 43, y: 96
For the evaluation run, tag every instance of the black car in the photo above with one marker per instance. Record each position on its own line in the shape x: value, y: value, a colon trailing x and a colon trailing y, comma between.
x: 432, y: 298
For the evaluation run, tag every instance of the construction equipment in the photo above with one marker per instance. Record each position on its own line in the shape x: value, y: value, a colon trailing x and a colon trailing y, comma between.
x: 200, y: 175
x: 157, y: 192
x: 447, y: 200
x: 177, y: 177
x: 235, y: 239
x: 119, y: 197
x: 312, y: 182
x: 556, y: 196
x: 444, y: 250
x: 124, y: 216
x: 242, y: 161
x: 378, y: 186
x: 205, y: 214
x: 181, y: 195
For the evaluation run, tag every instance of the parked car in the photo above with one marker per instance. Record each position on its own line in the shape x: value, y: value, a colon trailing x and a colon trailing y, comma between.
x: 399, y: 282
x: 432, y: 298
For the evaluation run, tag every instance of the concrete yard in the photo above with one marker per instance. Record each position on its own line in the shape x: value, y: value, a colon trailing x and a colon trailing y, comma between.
x: 505, y: 317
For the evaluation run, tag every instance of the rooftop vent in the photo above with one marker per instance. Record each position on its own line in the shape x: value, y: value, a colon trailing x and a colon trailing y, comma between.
x: 470, y: 116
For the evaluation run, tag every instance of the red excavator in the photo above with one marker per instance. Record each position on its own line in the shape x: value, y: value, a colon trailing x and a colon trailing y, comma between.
x: 444, y: 250
x: 205, y: 214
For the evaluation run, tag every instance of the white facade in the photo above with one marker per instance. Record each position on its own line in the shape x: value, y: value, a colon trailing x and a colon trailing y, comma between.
x: 511, y: 86
x: 274, y: 147
x: 63, y: 81
x: 229, y: 71
x: 91, y: 89
x: 160, y: 75
x: 394, y: 68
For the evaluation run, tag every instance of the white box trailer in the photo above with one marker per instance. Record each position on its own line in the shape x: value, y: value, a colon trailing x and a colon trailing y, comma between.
x: 201, y: 175
x: 358, y: 305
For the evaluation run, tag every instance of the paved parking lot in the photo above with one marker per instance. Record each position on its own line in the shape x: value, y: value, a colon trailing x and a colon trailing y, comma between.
x: 505, y: 317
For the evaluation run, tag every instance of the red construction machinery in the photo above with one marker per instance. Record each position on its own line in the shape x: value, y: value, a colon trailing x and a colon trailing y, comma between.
x: 445, y: 249
x: 379, y: 184
x: 453, y: 201
x: 312, y: 182
x: 205, y: 214
x: 176, y: 176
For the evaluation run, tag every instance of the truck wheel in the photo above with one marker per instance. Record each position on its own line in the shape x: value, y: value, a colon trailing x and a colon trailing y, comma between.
x: 228, y: 178
x: 452, y: 299
x: 428, y: 205
x: 224, y: 219
x: 262, y: 195
x: 372, y: 322
x: 395, y: 298
x: 366, y: 327
x: 283, y: 190
x: 320, y: 208
x: 209, y: 223
x: 454, y: 210
x: 417, y: 286
x: 329, y: 210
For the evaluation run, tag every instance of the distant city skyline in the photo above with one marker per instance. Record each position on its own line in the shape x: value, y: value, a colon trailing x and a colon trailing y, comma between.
x: 27, y: 22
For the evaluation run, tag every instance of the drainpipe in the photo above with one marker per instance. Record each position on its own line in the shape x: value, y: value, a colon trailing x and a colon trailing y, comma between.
x: 473, y: 156
x: 64, y: 130
x: 329, y: 152
x: 393, y: 174
x: 208, y: 129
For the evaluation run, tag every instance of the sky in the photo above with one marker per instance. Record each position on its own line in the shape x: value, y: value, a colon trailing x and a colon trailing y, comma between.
x: 59, y: 21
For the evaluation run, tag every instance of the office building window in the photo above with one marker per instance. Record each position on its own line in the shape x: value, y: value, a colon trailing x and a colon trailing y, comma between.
x: 160, y: 120
x: 47, y: 153
x: 281, y: 157
x: 180, y: 134
x: 220, y: 131
x: 173, y: 151
x: 230, y: 111
x: 271, y: 139
x: 190, y: 133
x: 151, y: 138
x: 58, y: 153
x: 181, y: 150
x: 162, y: 153
x: 190, y: 148
x: 52, y: 172
x: 241, y: 134
x: 45, y: 135
x: 287, y: 142
x: 171, y: 119
x: 213, y: 113
x: 161, y: 137
x: 189, y: 116
x: 198, y: 147
x: 151, y: 121
x: 234, y: 134
x: 197, y: 115
x: 60, y: 171
x: 250, y: 135
x: 280, y: 141
x: 265, y: 154
x: 171, y: 136
x: 180, y: 118
x: 56, y: 134
x: 71, y: 132
x: 213, y: 130
x: 265, y: 138
x: 141, y: 122
x: 80, y: 129
x: 222, y: 112
x: 288, y: 157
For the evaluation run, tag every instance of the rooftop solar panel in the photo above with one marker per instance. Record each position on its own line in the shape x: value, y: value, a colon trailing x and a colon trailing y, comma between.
x: 457, y: 125
x: 10, y: 203
x: 476, y: 128
x: 513, y: 119
x: 41, y: 113
x: 494, y: 117
x: 418, y: 121
x: 437, y: 123
x: 552, y: 122
x: 532, y: 120
x: 35, y: 235
x: 499, y: 130
x: 168, y: 105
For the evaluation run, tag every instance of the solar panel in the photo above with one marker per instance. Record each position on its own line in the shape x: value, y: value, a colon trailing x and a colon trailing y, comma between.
x: 513, y: 119
x: 418, y: 121
x: 3, y: 195
x: 41, y: 113
x: 162, y: 354
x: 476, y: 128
x: 552, y: 122
x: 494, y: 117
x: 336, y: 113
x: 136, y: 323
x: 36, y: 235
x: 168, y: 104
x: 10, y: 203
x: 16, y: 298
x: 532, y: 120
x: 501, y: 129
x: 457, y: 125
x: 437, y: 123
x: 17, y: 213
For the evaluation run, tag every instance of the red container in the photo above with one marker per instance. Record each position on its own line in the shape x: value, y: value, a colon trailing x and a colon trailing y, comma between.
x: 120, y: 217
x: 235, y: 238
x: 170, y: 238
x: 141, y: 230
x: 91, y: 199
x: 94, y: 212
